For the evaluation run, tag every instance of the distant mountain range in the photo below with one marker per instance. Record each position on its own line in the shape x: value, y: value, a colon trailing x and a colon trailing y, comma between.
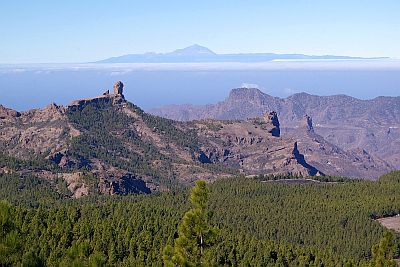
x: 197, y: 53
x: 346, y: 122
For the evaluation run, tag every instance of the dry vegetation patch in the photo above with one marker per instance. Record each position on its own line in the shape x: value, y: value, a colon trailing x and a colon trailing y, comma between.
x: 392, y: 223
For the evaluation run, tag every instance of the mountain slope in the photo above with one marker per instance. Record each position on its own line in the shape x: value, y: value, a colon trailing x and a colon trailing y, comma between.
x: 334, y: 160
x: 110, y: 146
x: 349, y: 123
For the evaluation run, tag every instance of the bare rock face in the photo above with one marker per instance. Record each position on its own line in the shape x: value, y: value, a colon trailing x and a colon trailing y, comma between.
x: 308, y: 123
x: 253, y: 147
x: 75, y: 184
x: 39, y: 131
x: 6, y: 112
x: 118, y: 93
x: 123, y: 185
x: 8, y: 115
x: 272, y: 119
x: 118, y: 88
x: 301, y: 160
x: 333, y: 160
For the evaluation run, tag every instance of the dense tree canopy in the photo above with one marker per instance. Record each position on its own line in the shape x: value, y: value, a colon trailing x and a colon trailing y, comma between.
x: 260, y: 223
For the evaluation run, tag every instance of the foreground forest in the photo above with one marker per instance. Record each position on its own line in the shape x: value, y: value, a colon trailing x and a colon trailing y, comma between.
x: 257, y: 223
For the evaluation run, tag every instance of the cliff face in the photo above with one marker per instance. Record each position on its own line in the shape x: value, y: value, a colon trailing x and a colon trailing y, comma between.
x: 108, y: 145
x: 252, y: 146
x: 350, y: 124
x: 333, y: 160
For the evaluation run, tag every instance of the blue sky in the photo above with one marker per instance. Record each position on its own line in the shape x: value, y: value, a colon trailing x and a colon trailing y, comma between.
x: 80, y: 31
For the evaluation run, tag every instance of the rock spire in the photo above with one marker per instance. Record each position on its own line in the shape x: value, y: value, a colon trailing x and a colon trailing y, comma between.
x: 118, y: 88
x: 272, y: 118
x: 308, y: 123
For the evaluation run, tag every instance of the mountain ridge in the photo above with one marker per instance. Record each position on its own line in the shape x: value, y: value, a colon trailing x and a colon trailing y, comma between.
x: 345, y: 121
x: 107, y: 145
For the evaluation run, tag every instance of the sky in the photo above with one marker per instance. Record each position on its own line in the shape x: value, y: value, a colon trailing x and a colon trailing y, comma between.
x: 48, y: 31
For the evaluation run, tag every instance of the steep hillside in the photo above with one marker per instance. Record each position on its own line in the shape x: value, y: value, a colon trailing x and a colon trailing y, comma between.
x: 334, y: 160
x: 110, y: 146
x: 349, y: 123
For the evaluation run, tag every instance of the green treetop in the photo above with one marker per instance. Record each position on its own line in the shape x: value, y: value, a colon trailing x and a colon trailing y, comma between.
x: 382, y: 253
x: 195, y: 234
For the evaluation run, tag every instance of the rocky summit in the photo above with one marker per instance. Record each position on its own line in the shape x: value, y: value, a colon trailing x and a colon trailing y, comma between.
x: 108, y: 145
x: 118, y: 88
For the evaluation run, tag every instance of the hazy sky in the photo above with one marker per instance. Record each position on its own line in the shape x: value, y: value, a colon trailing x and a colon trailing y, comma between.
x: 79, y: 31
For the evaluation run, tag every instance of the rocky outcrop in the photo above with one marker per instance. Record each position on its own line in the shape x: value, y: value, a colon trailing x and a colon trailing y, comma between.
x: 118, y: 88
x: 38, y: 131
x: 87, y: 101
x: 272, y: 119
x: 8, y: 114
x: 301, y: 160
x: 333, y: 160
x: 62, y: 159
x: 253, y: 147
x: 75, y: 184
x: 116, y: 98
x: 126, y: 184
x: 308, y: 124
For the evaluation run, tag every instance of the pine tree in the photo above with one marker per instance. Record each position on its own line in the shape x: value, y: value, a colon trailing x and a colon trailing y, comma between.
x: 382, y: 253
x: 10, y: 244
x: 195, y: 234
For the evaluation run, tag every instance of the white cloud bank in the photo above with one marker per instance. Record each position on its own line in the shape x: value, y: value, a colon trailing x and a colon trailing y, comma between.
x: 123, y: 68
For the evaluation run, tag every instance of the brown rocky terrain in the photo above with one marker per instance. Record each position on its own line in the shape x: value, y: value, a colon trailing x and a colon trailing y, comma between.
x: 334, y: 160
x: 360, y: 127
x: 108, y: 145
x: 253, y: 146
x: 37, y: 131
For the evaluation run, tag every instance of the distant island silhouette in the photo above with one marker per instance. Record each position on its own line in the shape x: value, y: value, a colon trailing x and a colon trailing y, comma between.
x: 197, y: 53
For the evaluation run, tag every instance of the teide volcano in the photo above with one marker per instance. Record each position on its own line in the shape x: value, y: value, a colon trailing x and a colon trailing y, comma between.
x: 108, y: 145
